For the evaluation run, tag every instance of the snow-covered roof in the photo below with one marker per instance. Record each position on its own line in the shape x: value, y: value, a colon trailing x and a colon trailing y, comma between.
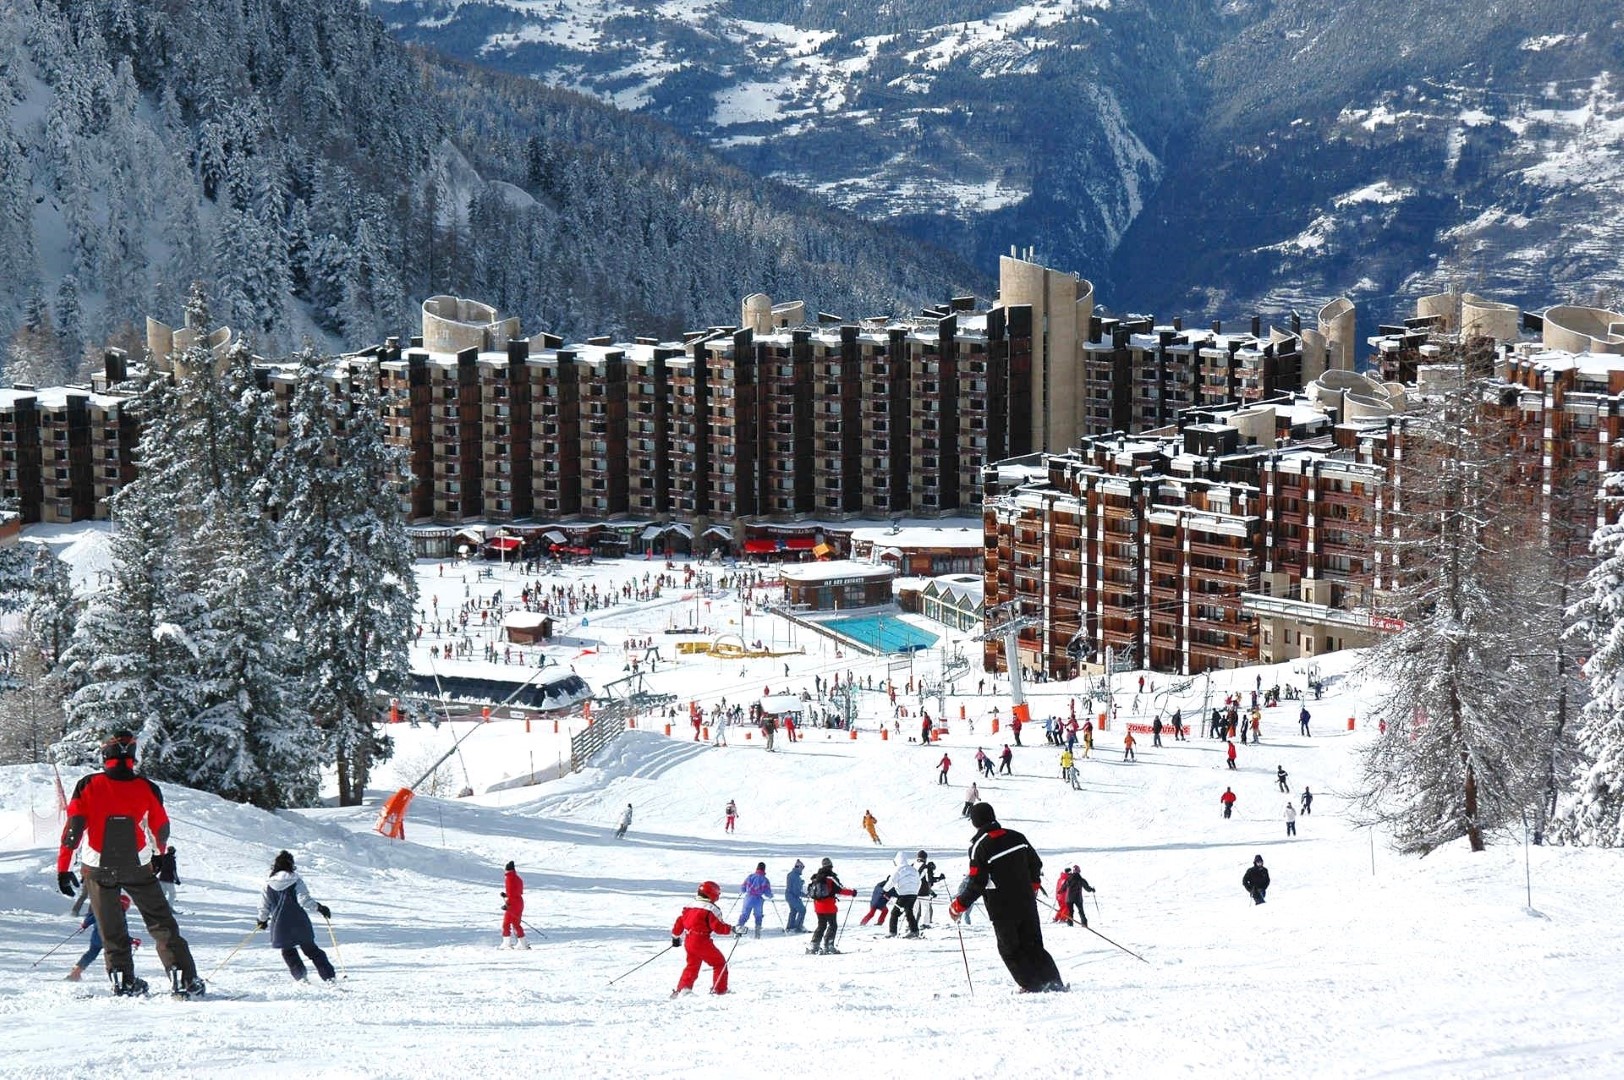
x: 524, y: 620
x: 835, y: 570
x: 920, y: 536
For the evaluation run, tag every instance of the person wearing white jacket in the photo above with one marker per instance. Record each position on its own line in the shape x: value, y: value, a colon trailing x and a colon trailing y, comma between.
x: 282, y: 909
x: 904, y: 888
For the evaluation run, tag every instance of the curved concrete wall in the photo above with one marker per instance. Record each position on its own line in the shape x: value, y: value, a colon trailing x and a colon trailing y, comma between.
x: 1444, y: 307
x: 1314, y: 354
x: 1256, y: 424
x: 1338, y: 322
x: 1572, y: 328
x: 1489, y: 318
x: 452, y: 324
x: 789, y: 313
x: 756, y: 313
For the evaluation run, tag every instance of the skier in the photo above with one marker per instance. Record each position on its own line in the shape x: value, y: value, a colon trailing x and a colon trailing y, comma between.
x: 117, y: 859
x: 943, y: 765
x: 512, y: 909
x: 1308, y: 800
x: 1228, y: 799
x: 877, y: 902
x: 292, y: 931
x: 1280, y: 778
x: 794, y: 889
x: 1178, y: 726
x: 825, y: 890
x: 1003, y: 761
x: 924, y: 728
x: 732, y: 815
x: 870, y: 822
x: 1015, y: 727
x: 757, y: 890
x: 903, y: 887
x: 1088, y: 738
x: 1231, y: 752
x: 1291, y: 819
x: 983, y: 762
x: 696, y: 924
x: 1156, y: 732
x: 928, y: 877
x: 1256, y: 880
x: 1302, y: 722
x: 971, y: 797
x: 168, y: 875
x: 1006, y: 871
x: 94, y: 948
x: 625, y: 822
x: 1062, y: 899
x: 1076, y: 886
x: 1127, y: 747
x: 1068, y: 765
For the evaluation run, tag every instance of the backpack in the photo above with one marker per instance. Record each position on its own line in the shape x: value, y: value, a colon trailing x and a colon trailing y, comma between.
x: 820, y: 888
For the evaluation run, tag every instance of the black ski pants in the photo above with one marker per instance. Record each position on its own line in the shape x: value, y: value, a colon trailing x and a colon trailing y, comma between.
x: 1020, y: 944
x: 826, y: 929
x: 296, y: 968
x: 103, y: 884
x: 904, y: 905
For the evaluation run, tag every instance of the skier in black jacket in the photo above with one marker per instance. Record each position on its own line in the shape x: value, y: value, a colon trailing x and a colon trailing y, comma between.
x: 1006, y: 874
x: 1076, y: 885
x: 1256, y: 880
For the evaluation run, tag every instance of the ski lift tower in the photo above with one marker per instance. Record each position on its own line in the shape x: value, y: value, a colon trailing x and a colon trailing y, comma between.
x: 1008, y: 628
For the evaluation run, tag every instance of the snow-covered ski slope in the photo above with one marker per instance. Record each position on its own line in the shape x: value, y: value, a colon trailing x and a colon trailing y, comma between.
x: 1431, y: 967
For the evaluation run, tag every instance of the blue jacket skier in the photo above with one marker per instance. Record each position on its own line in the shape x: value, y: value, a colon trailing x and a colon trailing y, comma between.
x: 793, y: 892
x: 282, y: 908
x: 756, y: 889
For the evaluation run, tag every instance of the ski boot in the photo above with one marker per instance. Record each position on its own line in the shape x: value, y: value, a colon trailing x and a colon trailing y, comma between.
x: 183, y: 988
x: 522, y: 943
x: 758, y: 932
x: 125, y: 984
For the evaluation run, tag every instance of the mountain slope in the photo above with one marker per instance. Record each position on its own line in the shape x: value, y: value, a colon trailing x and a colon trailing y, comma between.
x: 325, y: 180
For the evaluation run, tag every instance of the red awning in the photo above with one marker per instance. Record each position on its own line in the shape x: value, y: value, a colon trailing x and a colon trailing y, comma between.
x: 505, y: 543
x: 800, y: 543
x: 760, y: 547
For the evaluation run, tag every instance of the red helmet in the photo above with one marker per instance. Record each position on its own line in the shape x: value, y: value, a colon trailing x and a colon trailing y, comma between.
x: 709, y: 890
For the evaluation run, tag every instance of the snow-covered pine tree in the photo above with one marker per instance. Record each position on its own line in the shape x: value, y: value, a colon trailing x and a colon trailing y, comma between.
x: 1595, y: 814
x: 52, y: 610
x: 1466, y: 743
x: 345, y: 565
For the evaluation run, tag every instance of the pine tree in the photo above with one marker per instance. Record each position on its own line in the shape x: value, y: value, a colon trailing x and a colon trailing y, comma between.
x: 52, y: 611
x: 1596, y: 814
x: 346, y: 565
x: 1466, y: 742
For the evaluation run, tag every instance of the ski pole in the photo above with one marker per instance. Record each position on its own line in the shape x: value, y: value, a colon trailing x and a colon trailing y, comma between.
x: 1108, y: 941
x: 57, y: 946
x: 966, y: 956
x: 641, y: 966
x: 728, y: 960
x: 841, y: 929
x: 532, y: 929
x: 343, y: 974
x: 234, y: 952
x: 781, y: 923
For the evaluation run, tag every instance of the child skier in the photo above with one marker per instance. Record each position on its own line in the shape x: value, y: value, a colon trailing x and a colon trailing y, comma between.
x: 825, y: 890
x: 732, y: 813
x: 283, y: 908
x: 877, y: 901
x: 757, y: 888
x: 513, y: 909
x: 95, y: 947
x: 693, y: 930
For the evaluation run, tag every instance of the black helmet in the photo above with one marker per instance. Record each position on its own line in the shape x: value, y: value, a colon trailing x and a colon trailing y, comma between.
x: 120, y: 748
x: 827, y: 864
x: 922, y: 855
x: 1257, y: 860
x: 982, y: 815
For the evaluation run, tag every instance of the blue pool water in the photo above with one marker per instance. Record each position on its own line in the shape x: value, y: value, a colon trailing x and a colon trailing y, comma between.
x: 886, y: 633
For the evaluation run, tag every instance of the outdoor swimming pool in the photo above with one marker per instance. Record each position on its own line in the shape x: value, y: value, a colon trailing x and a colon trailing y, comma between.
x: 887, y: 633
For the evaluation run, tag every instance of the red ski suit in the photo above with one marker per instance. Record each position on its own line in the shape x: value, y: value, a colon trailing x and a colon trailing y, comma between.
x: 695, y: 926
x: 1062, y: 904
x: 513, y: 905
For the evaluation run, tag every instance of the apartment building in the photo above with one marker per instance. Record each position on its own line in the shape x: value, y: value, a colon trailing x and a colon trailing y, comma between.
x: 1240, y: 535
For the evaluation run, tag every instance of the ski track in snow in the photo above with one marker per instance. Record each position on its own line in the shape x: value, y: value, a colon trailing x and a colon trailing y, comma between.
x: 1426, y: 968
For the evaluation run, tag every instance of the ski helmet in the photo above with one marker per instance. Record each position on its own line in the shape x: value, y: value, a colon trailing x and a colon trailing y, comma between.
x: 922, y: 855
x: 1257, y: 860
x: 827, y: 864
x: 709, y: 890
x: 982, y: 815
x: 120, y: 749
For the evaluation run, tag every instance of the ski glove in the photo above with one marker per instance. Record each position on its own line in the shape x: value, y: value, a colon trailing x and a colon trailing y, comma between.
x: 1091, y: 889
x: 675, y: 942
x: 261, y: 924
x: 66, y: 882
x: 325, y: 912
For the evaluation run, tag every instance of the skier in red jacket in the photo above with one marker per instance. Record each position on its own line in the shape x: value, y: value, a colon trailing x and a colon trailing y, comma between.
x: 513, y: 909
x: 697, y: 923
x: 118, y: 826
